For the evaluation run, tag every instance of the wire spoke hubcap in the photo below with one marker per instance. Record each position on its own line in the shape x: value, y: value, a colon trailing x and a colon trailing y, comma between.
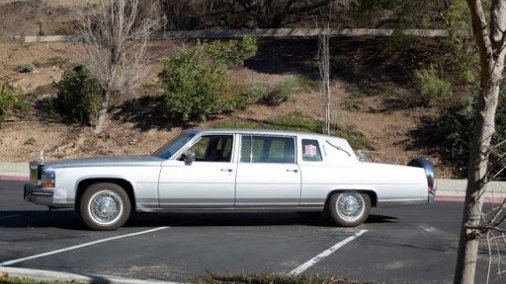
x: 105, y: 207
x: 350, y: 206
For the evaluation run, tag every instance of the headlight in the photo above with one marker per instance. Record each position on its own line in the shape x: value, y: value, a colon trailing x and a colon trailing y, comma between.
x: 47, y: 180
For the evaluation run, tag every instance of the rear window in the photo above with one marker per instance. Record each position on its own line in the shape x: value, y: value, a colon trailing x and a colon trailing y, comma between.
x: 311, y: 150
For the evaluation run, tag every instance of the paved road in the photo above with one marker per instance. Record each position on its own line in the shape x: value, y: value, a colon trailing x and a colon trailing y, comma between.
x: 415, y: 244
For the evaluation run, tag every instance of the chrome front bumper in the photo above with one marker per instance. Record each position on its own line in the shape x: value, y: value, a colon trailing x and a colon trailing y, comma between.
x: 52, y: 197
x: 38, y: 195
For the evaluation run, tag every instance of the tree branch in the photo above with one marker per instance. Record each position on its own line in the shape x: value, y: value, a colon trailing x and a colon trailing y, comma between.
x: 480, y: 28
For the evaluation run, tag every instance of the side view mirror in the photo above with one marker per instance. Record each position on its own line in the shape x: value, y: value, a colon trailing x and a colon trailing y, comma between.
x: 189, y: 158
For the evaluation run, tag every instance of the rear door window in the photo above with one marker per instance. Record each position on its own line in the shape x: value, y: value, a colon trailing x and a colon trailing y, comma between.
x: 268, y: 149
x: 311, y: 150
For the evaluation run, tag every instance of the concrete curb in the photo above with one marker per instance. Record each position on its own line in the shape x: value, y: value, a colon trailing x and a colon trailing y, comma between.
x: 48, y: 275
x: 459, y: 185
x: 8, y: 177
x: 452, y: 196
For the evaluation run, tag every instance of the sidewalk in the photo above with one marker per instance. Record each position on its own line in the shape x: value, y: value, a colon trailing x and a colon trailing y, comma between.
x: 447, y: 189
x: 14, y: 171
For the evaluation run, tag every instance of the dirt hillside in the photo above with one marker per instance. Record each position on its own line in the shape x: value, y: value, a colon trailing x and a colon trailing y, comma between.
x: 364, y: 92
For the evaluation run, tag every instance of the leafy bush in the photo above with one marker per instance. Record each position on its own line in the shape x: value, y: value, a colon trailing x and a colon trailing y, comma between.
x: 9, y: 95
x: 191, y: 85
x: 78, y: 96
x: 282, y: 91
x: 254, y: 92
x: 431, y: 88
x: 453, y: 132
x: 232, y: 52
x: 242, y: 96
x: 196, y: 82
x: 26, y: 67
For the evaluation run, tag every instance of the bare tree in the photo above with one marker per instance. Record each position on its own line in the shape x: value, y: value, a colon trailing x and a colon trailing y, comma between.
x: 324, y: 66
x: 113, y: 37
x: 490, y: 36
x: 324, y: 60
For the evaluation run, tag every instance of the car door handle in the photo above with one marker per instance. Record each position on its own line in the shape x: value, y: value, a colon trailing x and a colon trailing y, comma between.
x: 292, y: 170
x: 226, y: 170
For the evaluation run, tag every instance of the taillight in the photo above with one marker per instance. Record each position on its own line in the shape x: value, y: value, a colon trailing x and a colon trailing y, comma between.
x: 430, y: 184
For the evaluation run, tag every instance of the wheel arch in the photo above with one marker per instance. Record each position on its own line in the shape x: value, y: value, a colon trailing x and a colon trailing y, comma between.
x: 125, y: 184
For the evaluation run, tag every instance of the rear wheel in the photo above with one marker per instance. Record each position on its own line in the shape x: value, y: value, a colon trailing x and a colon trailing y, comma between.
x: 104, y: 206
x: 349, y: 208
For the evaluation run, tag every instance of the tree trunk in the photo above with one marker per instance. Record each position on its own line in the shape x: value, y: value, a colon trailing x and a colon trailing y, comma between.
x: 324, y: 66
x: 102, y: 111
x: 477, y: 177
x: 491, y: 45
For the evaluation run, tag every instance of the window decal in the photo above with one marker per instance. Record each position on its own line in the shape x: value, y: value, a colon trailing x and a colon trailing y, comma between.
x: 310, y: 150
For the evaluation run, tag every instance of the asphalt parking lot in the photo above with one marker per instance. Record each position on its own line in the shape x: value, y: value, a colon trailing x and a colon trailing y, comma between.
x: 415, y: 244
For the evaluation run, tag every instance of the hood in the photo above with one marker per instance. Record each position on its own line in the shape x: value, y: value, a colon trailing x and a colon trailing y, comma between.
x: 128, y: 161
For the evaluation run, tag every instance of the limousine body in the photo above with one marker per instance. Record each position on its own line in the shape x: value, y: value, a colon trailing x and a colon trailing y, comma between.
x: 204, y: 170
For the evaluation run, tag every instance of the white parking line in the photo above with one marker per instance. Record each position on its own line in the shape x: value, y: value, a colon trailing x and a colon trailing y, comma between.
x: 18, y: 260
x: 324, y: 254
x: 10, y: 216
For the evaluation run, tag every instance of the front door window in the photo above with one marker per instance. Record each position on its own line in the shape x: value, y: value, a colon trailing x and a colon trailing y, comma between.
x: 212, y: 148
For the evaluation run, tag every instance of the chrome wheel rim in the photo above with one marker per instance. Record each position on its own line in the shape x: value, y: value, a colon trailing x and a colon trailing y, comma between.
x: 350, y: 206
x: 105, y: 207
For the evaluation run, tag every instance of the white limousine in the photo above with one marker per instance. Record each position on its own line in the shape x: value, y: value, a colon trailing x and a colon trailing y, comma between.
x: 231, y: 170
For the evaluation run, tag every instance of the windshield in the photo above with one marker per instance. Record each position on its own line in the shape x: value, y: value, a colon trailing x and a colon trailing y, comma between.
x: 167, y: 150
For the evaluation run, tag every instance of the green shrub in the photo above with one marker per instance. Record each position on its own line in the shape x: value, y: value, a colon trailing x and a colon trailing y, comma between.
x: 431, y: 88
x: 454, y: 129
x: 196, y: 82
x: 254, y: 92
x: 468, y: 76
x: 26, y: 67
x: 9, y: 95
x: 240, y: 97
x: 191, y: 85
x: 282, y: 91
x: 78, y: 96
x: 232, y: 52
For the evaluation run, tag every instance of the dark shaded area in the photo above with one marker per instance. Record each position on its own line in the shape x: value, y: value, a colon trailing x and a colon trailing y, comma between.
x: 362, y: 61
x: 70, y: 220
x: 301, y: 13
x: 145, y: 112
x: 255, y: 14
x: 62, y: 219
x: 45, y: 110
x: 423, y: 136
x: 450, y: 134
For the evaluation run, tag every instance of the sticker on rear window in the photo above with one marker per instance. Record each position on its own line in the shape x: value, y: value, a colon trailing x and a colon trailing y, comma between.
x: 310, y: 150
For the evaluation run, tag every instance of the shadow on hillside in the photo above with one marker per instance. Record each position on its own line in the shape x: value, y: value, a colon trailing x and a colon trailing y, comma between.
x: 423, y: 138
x: 355, y: 60
x: 145, y: 112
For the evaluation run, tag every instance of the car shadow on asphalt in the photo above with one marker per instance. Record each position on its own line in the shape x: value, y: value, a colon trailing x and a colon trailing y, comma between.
x: 62, y: 219
x: 69, y: 219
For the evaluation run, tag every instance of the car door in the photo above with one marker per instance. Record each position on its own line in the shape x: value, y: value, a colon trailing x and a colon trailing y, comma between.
x: 267, y: 172
x: 209, y: 181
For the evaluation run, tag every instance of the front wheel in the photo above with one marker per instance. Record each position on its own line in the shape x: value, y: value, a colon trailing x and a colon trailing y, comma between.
x: 349, y: 208
x: 104, y: 206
